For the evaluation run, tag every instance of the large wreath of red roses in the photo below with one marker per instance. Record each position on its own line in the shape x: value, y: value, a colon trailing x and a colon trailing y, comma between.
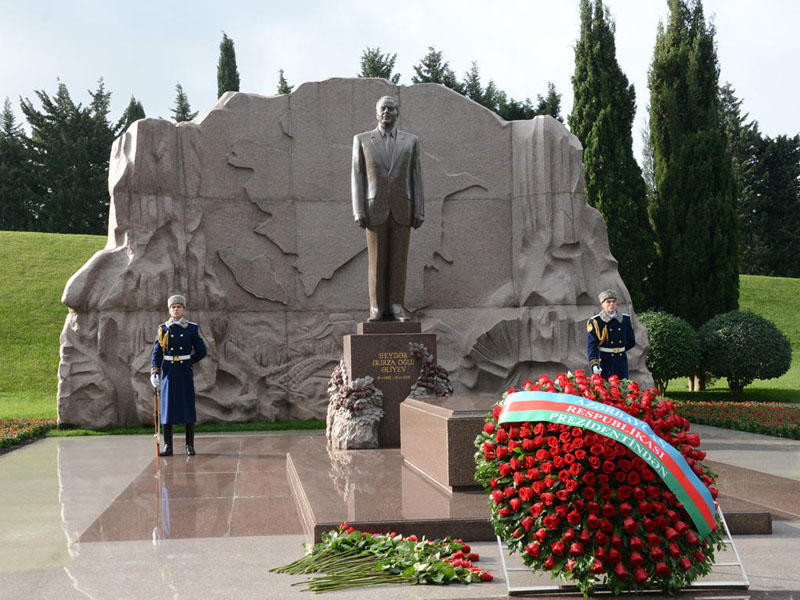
x: 583, y: 506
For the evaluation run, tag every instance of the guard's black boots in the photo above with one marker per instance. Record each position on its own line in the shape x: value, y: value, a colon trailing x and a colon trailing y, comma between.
x: 167, y: 449
x: 190, y: 439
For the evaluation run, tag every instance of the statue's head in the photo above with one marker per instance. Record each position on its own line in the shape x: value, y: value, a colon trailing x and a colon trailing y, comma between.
x: 386, y: 111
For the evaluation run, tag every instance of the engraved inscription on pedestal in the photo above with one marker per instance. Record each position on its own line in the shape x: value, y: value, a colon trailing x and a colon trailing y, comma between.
x: 388, y: 360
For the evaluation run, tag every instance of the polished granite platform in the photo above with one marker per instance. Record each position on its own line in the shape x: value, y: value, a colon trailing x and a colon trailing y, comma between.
x: 100, y: 517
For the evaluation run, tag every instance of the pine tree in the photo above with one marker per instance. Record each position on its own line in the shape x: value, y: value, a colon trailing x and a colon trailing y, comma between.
x: 182, y: 110
x: 549, y: 104
x: 471, y: 87
x: 69, y: 147
x: 376, y: 64
x: 602, y: 119
x: 696, y: 274
x: 133, y: 112
x: 283, y: 85
x: 227, y: 73
x: 433, y: 69
x: 16, y: 208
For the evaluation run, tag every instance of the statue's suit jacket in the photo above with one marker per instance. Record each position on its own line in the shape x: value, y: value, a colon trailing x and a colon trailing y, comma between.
x: 384, y: 185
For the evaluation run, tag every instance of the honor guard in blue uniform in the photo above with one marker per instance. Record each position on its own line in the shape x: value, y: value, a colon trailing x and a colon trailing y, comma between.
x: 177, y: 347
x: 609, y: 335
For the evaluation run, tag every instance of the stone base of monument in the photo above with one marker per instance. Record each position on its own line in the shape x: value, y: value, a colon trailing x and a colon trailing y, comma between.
x: 437, y: 437
x: 380, y: 349
x: 423, y: 487
x: 377, y: 491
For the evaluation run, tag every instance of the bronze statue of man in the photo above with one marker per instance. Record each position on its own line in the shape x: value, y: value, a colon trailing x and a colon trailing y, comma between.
x: 387, y: 201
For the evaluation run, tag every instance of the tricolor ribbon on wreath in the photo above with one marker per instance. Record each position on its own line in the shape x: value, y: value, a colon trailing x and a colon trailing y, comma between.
x: 611, y: 422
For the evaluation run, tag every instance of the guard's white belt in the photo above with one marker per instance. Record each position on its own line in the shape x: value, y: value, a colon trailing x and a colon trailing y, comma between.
x: 177, y: 358
x: 612, y: 350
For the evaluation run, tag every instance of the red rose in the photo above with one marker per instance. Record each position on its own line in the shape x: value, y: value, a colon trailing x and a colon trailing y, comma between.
x: 533, y: 549
x: 648, y: 524
x: 517, y: 533
x: 512, y: 444
x: 574, y: 517
x: 600, y: 538
x: 542, y: 455
x: 515, y: 504
x: 527, y: 445
x: 589, y: 479
x: 686, y: 564
x: 639, y: 493
x: 592, y: 521
x: 601, y: 553
x: 549, y: 562
x: 593, y: 507
x: 486, y: 576
x: 640, y: 575
x: 504, y: 512
x: 636, y: 543
x: 525, y: 493
x: 498, y: 496
x: 614, y: 556
x: 670, y: 534
x: 691, y: 538
x: 502, y: 436
x: 653, y: 539
x: 645, y: 507
x: 608, y: 466
x: 539, y: 486
x: 594, y: 462
x: 529, y: 462
x: 562, y: 495
x: 527, y: 523
x: 636, y: 559
x: 571, y: 485
x: 681, y: 527
x: 633, y: 478
x: 625, y: 509
x: 620, y: 570
x: 616, y: 542
x: 674, y: 550
x: 496, y: 412
x: 588, y: 493
x: 657, y: 554
x: 576, y: 549
x: 548, y: 498
x: 561, y: 510
x: 515, y: 463
x: 489, y: 427
x: 609, y: 510
x: 493, y: 483
x: 537, y: 508
x: 699, y: 556
x: 662, y: 570
x: 540, y: 534
x: 501, y: 451
x: 653, y: 491
x: 505, y: 469
x: 624, y: 492
x: 513, y: 432
x: 569, y: 535
x: 558, y: 548
x: 519, y: 478
x: 551, y: 521
x: 585, y: 536
x: 510, y: 491
x: 597, y: 567
x: 630, y: 525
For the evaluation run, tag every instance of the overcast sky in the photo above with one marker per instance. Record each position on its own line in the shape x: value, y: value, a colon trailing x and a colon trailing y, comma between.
x: 143, y: 47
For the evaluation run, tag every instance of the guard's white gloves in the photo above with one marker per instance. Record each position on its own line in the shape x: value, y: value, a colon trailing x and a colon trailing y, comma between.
x: 155, y: 380
x: 597, y: 369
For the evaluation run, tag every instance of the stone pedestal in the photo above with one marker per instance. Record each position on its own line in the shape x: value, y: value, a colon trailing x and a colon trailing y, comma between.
x: 437, y: 436
x: 380, y: 350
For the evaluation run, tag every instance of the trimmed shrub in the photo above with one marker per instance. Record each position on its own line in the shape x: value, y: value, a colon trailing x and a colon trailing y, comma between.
x: 674, y: 347
x: 743, y: 346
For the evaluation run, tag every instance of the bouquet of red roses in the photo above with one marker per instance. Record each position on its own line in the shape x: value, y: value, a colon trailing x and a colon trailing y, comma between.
x: 579, y: 488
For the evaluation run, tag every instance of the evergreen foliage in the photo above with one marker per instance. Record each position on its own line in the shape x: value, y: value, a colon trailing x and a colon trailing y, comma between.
x: 15, y: 174
x: 549, y: 104
x: 674, y: 347
x: 69, y: 150
x: 767, y: 172
x: 743, y: 346
x: 133, y: 112
x: 694, y: 210
x: 283, y: 85
x: 434, y: 69
x: 182, y: 110
x: 602, y: 119
x: 227, y: 73
x: 374, y: 63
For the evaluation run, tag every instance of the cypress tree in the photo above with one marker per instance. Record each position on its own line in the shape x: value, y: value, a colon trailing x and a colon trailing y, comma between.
x: 602, y: 119
x: 182, y: 110
x: 696, y: 273
x: 227, y: 73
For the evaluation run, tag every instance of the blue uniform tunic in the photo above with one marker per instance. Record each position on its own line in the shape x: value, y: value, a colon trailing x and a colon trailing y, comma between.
x: 177, y: 339
x: 607, y: 341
